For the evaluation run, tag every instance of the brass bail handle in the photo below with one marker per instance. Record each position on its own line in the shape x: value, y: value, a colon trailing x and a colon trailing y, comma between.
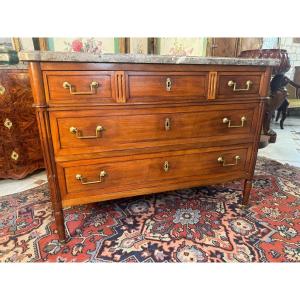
x: 233, y: 84
x: 228, y: 121
x: 78, y: 135
x: 93, y: 88
x: 224, y: 164
x: 84, y: 180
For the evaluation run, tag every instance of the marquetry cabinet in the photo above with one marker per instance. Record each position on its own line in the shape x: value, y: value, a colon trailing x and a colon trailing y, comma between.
x: 115, y: 127
x: 20, y: 149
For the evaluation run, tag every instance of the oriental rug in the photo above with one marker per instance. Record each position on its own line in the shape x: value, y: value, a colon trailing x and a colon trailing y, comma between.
x: 203, y: 224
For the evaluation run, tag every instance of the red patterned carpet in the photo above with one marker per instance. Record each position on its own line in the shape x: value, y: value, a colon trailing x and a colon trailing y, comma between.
x: 194, y: 225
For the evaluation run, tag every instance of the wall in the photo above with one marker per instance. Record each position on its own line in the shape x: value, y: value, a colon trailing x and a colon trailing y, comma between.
x: 90, y: 45
x: 182, y: 46
x: 293, y: 50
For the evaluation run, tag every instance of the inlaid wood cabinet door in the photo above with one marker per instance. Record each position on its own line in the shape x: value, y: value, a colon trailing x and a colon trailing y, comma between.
x: 231, y: 47
x: 222, y: 47
x: 19, y: 135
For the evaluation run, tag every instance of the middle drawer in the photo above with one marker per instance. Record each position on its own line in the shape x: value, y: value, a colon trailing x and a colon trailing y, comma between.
x: 77, y: 132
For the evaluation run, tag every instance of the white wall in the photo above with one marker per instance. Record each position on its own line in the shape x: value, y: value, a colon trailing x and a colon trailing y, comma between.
x: 293, y: 50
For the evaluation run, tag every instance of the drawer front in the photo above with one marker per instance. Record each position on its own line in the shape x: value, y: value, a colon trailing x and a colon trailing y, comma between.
x: 236, y: 85
x: 97, y: 131
x: 79, y: 86
x: 115, y: 175
x: 144, y: 87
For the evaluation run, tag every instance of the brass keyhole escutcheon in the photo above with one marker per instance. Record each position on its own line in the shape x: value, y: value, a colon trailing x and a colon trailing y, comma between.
x: 167, y: 124
x: 168, y: 84
x: 166, y: 166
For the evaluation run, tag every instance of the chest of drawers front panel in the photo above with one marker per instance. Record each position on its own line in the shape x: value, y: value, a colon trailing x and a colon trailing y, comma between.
x: 119, y: 132
x: 108, y: 130
x: 102, y: 178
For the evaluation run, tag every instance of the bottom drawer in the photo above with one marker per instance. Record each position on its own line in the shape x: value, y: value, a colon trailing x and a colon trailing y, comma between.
x: 112, y: 178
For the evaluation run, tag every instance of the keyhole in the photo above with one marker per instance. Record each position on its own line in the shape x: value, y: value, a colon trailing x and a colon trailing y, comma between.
x: 168, y: 84
x: 167, y: 124
x: 166, y: 166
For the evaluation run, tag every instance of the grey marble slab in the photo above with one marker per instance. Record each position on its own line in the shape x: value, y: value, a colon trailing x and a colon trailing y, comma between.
x: 21, y: 66
x: 52, y: 56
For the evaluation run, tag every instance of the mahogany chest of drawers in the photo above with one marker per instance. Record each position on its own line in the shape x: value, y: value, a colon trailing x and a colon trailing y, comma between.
x: 117, y: 129
x: 20, y: 150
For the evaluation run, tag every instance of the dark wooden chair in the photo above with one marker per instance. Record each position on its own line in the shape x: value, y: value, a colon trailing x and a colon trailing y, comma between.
x: 290, y: 102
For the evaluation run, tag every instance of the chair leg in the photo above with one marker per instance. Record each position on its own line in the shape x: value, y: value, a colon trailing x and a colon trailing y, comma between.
x: 284, y: 115
x: 277, y: 115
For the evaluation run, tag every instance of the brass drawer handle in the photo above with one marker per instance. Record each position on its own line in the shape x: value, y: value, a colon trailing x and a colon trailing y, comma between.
x: 8, y: 123
x: 75, y: 131
x: 168, y: 84
x: 166, y: 166
x: 93, y: 86
x: 2, y: 90
x: 228, y: 121
x: 84, y: 181
x: 233, y: 84
x: 224, y: 164
x: 167, y: 124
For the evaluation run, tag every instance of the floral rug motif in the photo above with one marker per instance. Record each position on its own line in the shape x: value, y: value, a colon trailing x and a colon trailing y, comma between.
x: 205, y: 224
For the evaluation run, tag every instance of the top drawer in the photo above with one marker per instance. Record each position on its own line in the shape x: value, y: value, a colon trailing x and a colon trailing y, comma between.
x: 143, y: 87
x: 135, y: 87
x: 238, y: 84
x: 74, y: 86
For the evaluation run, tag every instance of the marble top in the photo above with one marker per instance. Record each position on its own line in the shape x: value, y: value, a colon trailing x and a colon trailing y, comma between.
x: 52, y: 56
x: 19, y: 66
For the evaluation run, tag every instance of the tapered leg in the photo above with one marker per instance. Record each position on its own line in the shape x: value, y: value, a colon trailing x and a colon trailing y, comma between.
x: 246, y: 192
x: 59, y: 221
